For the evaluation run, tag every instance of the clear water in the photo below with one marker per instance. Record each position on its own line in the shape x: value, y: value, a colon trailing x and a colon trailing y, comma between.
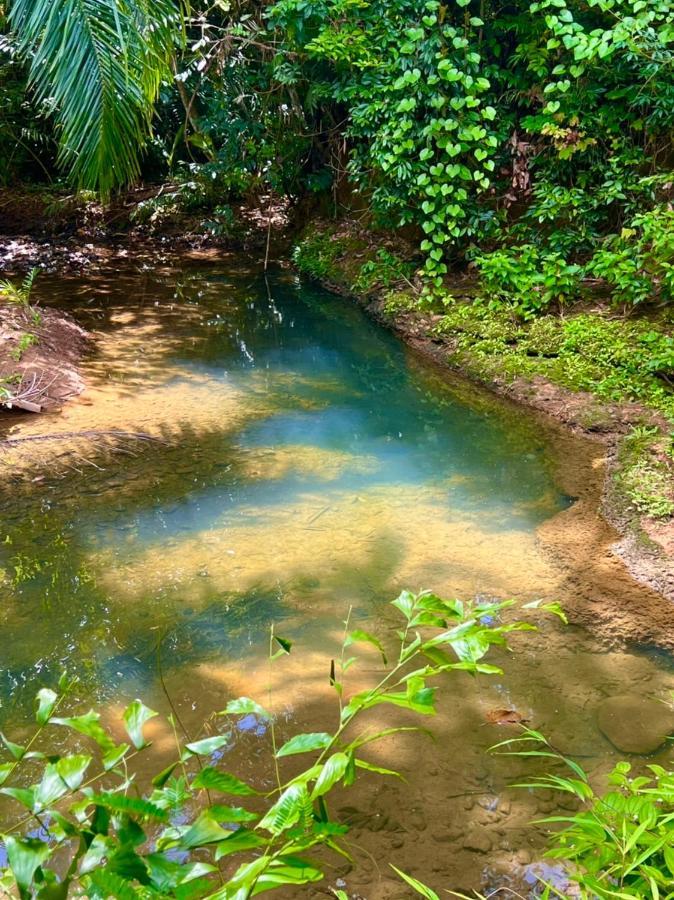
x: 310, y: 409
x: 304, y: 462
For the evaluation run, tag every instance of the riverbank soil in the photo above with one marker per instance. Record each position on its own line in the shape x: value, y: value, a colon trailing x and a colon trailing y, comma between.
x: 40, y: 352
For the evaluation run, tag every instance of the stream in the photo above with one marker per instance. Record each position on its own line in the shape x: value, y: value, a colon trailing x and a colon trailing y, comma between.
x: 303, y: 463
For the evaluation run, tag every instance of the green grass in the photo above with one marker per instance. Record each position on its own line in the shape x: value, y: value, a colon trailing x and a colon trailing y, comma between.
x: 614, y: 358
x: 644, y: 475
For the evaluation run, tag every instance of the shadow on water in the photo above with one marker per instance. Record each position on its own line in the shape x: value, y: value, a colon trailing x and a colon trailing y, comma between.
x: 305, y: 462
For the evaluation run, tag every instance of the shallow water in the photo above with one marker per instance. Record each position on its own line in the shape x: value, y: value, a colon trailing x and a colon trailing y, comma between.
x: 305, y: 462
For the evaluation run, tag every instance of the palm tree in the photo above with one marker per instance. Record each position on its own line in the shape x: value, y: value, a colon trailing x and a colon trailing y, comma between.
x: 98, y: 65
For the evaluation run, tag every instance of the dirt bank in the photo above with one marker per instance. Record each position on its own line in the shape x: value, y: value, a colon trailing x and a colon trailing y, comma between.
x: 40, y: 351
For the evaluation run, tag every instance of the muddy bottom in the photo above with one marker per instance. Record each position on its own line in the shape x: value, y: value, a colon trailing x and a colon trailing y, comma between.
x: 256, y: 451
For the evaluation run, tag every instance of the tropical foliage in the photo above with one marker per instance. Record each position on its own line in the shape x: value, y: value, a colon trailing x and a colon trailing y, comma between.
x: 97, y: 67
x: 533, y: 138
x: 88, y: 827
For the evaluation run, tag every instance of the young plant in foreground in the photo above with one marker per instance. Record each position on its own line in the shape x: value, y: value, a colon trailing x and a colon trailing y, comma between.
x: 618, y: 846
x: 19, y: 293
x: 99, y: 835
x: 621, y: 843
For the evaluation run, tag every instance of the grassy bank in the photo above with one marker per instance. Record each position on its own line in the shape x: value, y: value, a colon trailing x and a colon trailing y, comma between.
x: 600, y: 369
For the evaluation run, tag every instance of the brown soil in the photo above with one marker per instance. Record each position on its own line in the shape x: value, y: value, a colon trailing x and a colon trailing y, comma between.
x: 39, y: 355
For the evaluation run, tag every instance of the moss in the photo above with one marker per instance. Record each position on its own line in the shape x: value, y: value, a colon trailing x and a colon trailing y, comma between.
x: 615, y: 359
x: 644, y: 476
x: 316, y: 254
x: 397, y: 302
x: 350, y: 258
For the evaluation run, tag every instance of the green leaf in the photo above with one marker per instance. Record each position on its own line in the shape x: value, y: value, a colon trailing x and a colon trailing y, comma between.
x: 50, y: 788
x: 132, y: 805
x: 110, y: 884
x: 114, y: 755
x: 358, y: 635
x: 72, y: 769
x: 16, y: 750
x: 205, y: 830
x: 286, y: 871
x: 287, y: 809
x: 305, y: 743
x: 100, y: 847
x: 160, y: 780
x: 135, y: 716
x: 413, y: 883
x: 89, y: 725
x: 554, y: 608
x: 6, y: 770
x: 284, y: 644
x: 231, y: 814
x: 24, y: 796
x: 25, y: 856
x: 207, y: 746
x: 405, y: 601
x: 44, y: 705
x: 237, y: 841
x: 211, y: 779
x: 98, y: 65
x: 333, y: 769
x: 378, y: 770
x: 244, y: 706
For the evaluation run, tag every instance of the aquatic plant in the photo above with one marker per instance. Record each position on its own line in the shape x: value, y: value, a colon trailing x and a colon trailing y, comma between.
x: 88, y: 828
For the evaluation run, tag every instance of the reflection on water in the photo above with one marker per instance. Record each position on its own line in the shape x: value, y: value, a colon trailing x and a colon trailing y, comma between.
x: 305, y: 463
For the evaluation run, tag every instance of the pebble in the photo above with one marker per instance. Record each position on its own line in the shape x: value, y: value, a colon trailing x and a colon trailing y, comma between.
x: 477, y: 840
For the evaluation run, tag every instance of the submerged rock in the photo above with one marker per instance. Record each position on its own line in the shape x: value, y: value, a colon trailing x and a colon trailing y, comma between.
x: 635, y: 724
x: 477, y: 840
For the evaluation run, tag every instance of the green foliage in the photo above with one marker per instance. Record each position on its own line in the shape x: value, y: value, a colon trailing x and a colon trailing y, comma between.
x: 538, y: 133
x: 638, y: 264
x: 527, y: 277
x: 19, y: 293
x: 620, y: 843
x: 645, y: 473
x: 385, y: 272
x: 25, y: 148
x: 98, y: 64
x: 315, y: 255
x: 102, y: 835
x: 616, y: 359
x: 421, y: 131
x: 26, y: 341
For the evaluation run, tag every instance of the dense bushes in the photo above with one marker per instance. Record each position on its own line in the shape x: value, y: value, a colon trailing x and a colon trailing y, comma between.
x: 534, y: 136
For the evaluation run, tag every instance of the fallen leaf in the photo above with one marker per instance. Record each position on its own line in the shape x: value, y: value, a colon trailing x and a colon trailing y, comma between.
x: 505, y: 717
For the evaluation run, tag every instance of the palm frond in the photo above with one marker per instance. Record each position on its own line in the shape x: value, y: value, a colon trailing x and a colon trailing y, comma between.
x: 98, y: 64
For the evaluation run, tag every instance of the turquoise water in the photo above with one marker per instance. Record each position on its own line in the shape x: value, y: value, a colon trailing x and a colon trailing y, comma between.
x: 241, y: 371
